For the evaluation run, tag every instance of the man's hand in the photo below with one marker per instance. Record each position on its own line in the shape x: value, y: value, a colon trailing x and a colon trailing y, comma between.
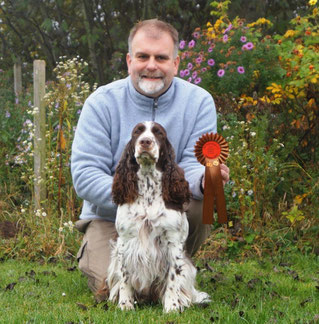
x: 224, y: 170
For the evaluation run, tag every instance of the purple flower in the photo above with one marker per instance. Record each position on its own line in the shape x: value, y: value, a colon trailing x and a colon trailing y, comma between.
x: 198, y: 80
x: 221, y: 73
x: 29, y: 103
x: 204, y: 69
x: 8, y: 115
x: 194, y: 75
x: 182, y: 44
x: 240, y: 69
x: 68, y: 85
x: 182, y: 73
x: 186, y: 71
x: 198, y: 60
x: 211, y: 62
x: 248, y: 46
x: 230, y: 26
x: 191, y: 44
x: 189, y: 66
x: 79, y: 111
x: 57, y: 105
x: 243, y: 39
x: 196, y: 35
x: 17, y: 100
x: 225, y: 38
x: 210, y: 49
x: 189, y: 79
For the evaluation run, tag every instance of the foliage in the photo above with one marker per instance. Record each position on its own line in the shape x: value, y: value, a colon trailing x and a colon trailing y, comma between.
x: 50, y: 225
x: 95, y: 30
x: 230, y: 57
x: 278, y: 289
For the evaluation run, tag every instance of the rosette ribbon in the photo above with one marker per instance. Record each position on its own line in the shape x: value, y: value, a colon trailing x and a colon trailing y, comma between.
x: 211, y: 150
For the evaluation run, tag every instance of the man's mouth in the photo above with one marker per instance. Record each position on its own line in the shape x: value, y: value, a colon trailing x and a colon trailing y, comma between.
x: 151, y: 77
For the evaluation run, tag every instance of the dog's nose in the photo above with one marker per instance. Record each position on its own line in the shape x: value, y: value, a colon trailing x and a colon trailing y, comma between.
x: 145, y: 142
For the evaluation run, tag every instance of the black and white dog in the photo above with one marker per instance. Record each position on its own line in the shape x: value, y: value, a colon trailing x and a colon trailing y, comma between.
x: 148, y: 260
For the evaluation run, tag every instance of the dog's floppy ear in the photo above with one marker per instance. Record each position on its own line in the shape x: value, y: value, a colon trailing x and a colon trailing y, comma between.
x: 125, y: 188
x: 175, y: 188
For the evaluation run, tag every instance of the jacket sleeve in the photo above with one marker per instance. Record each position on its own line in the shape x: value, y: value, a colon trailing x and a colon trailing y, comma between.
x: 91, y: 159
x: 205, y: 122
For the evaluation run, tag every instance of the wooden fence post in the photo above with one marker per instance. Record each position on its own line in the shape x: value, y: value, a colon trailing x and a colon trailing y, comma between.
x: 39, y: 133
x: 17, y: 78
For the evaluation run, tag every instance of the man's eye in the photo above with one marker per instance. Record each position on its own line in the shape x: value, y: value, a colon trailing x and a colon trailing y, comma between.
x: 161, y: 58
x: 142, y: 57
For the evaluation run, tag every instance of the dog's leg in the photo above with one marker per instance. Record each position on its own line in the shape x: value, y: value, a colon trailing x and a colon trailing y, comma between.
x: 177, y: 294
x: 118, y: 280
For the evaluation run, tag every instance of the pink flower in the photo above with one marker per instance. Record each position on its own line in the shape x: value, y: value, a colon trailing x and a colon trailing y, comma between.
x: 240, y: 69
x: 198, y: 60
x: 211, y: 62
x: 197, y: 80
x: 230, y: 26
x: 210, y: 49
x: 204, y: 69
x: 243, y: 39
x: 225, y: 38
x: 182, y: 73
x: 191, y: 44
x: 189, y: 79
x: 221, y: 73
x: 196, y: 35
x: 186, y: 71
x: 194, y: 75
x: 248, y: 46
x: 182, y: 44
x: 189, y: 66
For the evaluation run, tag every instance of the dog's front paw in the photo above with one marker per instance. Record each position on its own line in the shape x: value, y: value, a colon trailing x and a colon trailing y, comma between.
x: 201, y: 297
x: 172, y: 305
x: 126, y: 305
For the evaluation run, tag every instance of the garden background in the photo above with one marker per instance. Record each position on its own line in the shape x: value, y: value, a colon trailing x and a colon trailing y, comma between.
x: 259, y: 61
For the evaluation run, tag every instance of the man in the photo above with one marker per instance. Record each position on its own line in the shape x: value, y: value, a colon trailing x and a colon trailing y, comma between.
x: 150, y: 92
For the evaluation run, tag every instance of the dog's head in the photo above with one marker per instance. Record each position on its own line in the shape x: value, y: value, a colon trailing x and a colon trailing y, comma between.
x: 150, y: 143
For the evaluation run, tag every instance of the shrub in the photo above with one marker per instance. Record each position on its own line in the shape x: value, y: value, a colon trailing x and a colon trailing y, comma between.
x: 230, y: 57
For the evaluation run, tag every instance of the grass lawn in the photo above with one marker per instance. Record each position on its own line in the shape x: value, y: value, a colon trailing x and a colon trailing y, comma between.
x: 281, y: 289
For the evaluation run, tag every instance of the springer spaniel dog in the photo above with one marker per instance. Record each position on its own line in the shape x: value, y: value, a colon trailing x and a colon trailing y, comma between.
x: 148, y: 261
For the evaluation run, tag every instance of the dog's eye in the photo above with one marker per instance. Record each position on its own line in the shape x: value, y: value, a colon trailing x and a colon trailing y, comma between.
x: 139, y: 130
x: 157, y: 132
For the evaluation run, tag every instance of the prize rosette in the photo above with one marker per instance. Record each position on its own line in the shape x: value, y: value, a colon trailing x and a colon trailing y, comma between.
x: 211, y: 150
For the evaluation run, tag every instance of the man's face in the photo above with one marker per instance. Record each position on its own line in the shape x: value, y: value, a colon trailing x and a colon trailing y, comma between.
x: 151, y: 64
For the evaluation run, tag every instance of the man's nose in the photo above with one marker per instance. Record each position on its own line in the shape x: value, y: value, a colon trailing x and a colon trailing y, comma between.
x: 151, y: 64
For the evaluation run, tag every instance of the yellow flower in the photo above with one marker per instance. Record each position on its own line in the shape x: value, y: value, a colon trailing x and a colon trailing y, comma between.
x: 312, y: 2
x: 209, y: 24
x: 289, y: 33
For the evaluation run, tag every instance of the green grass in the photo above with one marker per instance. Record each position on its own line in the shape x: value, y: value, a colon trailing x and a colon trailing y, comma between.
x: 281, y: 289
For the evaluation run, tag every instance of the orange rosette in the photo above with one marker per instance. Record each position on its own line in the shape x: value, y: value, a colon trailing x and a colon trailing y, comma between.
x: 211, y: 150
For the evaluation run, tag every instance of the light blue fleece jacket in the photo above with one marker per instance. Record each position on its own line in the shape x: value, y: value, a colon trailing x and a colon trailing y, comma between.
x: 105, y: 125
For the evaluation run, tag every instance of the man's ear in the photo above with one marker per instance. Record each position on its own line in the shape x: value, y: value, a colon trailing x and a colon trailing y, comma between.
x: 128, y: 62
x: 176, y: 64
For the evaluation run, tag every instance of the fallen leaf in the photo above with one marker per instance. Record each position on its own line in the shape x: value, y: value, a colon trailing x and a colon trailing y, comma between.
x: 303, y: 303
x: 10, y: 286
x: 83, y: 307
x: 252, y: 283
x: 105, y: 307
x: 30, y: 274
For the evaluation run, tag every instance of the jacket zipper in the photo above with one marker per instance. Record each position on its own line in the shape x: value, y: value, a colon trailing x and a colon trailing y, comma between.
x: 155, y: 106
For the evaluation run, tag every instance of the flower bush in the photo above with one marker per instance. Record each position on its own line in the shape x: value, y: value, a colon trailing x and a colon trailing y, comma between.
x: 230, y: 57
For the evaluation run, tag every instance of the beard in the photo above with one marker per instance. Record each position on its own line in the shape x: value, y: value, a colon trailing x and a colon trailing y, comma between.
x: 151, y: 87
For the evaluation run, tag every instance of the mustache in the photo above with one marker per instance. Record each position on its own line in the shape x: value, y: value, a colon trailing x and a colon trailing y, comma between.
x: 151, y: 75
